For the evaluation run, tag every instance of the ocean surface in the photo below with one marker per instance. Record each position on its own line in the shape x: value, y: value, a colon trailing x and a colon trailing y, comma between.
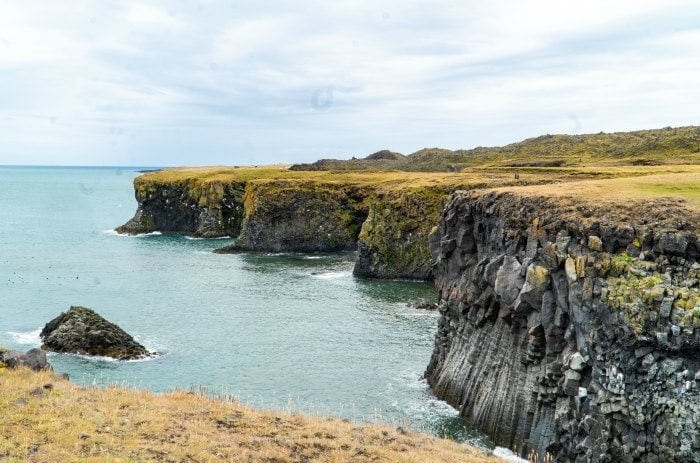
x: 291, y: 332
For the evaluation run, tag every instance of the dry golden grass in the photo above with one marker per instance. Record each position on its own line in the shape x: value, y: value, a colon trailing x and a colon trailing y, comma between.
x: 393, y: 180
x: 68, y: 423
x: 685, y: 186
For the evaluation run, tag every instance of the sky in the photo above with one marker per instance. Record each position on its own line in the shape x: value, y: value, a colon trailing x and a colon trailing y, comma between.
x: 162, y: 83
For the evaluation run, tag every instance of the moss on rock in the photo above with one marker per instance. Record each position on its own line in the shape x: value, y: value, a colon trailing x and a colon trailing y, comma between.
x: 393, y: 242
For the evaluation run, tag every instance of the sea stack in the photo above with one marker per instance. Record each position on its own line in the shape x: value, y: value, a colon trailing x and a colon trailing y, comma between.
x: 82, y: 331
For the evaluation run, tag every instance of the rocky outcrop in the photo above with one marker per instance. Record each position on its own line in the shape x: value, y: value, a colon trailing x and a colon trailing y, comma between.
x: 34, y: 359
x: 389, y: 230
x: 393, y: 242
x: 293, y: 216
x: 82, y: 331
x: 571, y: 331
x: 202, y: 209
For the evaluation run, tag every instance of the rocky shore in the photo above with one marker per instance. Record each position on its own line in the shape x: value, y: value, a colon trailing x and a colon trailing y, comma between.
x: 570, y: 329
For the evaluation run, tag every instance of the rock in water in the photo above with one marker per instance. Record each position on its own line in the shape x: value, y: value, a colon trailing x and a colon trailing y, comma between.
x: 82, y: 331
x: 423, y: 305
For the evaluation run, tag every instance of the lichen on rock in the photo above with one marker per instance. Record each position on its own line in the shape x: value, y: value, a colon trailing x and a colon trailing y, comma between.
x: 565, y: 347
x: 393, y: 242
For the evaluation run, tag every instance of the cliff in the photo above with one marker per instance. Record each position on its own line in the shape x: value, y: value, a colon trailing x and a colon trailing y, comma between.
x: 570, y: 318
x: 387, y: 216
x: 393, y: 241
x: 191, y: 205
x: 46, y: 418
x: 301, y: 216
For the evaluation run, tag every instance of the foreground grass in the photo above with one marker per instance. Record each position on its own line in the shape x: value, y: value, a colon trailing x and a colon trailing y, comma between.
x: 44, y: 418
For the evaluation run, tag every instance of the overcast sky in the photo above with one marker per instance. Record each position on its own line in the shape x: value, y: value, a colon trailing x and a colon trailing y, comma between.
x: 221, y: 82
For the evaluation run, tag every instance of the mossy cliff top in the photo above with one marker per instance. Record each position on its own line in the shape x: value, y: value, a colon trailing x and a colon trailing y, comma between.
x: 46, y: 418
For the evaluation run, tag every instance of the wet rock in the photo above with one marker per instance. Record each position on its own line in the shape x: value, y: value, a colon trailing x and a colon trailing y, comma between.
x: 423, y: 305
x: 82, y: 331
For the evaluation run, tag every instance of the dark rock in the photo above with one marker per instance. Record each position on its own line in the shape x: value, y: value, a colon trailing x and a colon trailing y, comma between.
x: 674, y: 243
x: 82, y: 331
x: 182, y: 208
x: 33, y: 358
x: 423, y: 305
x: 573, y: 369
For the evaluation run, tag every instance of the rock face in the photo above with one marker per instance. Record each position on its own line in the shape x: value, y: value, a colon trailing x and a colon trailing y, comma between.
x: 82, y: 331
x: 283, y: 216
x: 33, y: 358
x: 204, y: 210
x: 390, y: 231
x: 393, y: 242
x: 567, y: 334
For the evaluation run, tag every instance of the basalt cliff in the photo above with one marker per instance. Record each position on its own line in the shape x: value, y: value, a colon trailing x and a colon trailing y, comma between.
x: 569, y: 327
x: 383, y: 205
x: 386, y: 216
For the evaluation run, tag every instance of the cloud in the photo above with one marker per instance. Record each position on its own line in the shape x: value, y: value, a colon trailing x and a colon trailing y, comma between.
x: 161, y: 83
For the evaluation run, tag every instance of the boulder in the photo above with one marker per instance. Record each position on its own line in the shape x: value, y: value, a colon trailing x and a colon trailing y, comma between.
x: 82, y: 331
x: 423, y: 305
x: 33, y: 358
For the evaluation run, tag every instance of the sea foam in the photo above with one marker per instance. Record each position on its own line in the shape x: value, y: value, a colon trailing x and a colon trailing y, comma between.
x: 26, y: 337
x: 140, y: 235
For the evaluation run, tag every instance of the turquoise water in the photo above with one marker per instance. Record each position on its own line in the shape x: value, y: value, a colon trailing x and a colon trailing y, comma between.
x: 279, y: 331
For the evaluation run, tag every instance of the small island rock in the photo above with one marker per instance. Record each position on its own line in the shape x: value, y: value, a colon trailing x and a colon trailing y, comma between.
x: 82, y: 331
x: 423, y: 305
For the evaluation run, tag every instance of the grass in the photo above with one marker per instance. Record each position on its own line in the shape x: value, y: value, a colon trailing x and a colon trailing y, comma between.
x: 44, y: 418
x: 642, y: 148
x: 684, y: 186
x: 387, y: 181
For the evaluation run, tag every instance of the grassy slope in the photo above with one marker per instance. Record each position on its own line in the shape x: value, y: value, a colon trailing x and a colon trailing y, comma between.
x: 644, y: 147
x: 74, y: 424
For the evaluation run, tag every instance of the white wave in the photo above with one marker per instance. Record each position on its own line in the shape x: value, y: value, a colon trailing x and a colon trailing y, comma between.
x: 313, y: 257
x: 27, y: 337
x: 115, y: 233
x: 507, y: 455
x: 100, y: 358
x: 195, y: 238
x: 331, y: 275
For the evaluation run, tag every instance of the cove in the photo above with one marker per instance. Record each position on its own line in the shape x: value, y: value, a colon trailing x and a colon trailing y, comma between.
x: 278, y: 331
